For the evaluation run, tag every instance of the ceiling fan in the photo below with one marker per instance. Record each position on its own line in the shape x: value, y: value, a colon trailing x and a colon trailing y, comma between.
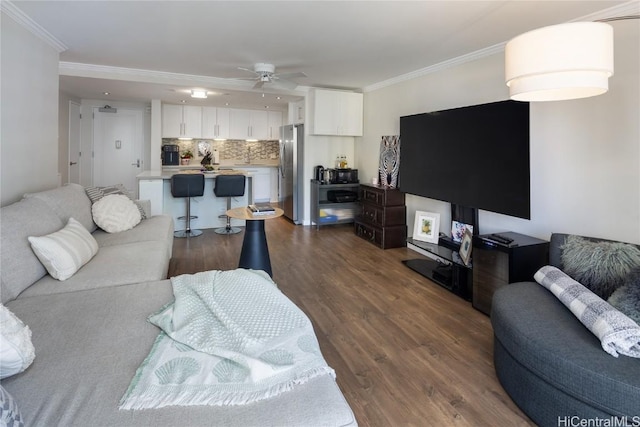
x: 265, y: 73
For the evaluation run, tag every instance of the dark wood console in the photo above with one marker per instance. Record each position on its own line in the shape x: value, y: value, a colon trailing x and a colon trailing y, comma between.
x: 383, y: 218
x: 496, y: 265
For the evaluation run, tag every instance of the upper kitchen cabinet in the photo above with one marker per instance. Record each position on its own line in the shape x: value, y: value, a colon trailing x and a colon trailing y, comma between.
x: 181, y: 121
x: 275, y: 121
x: 296, y: 112
x: 215, y: 123
x: 249, y: 124
x: 335, y: 112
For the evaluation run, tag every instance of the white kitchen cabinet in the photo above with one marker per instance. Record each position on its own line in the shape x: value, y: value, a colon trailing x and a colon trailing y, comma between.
x: 152, y: 190
x: 181, y: 121
x: 215, y: 123
x: 275, y: 121
x: 296, y: 112
x: 261, y: 184
x: 249, y: 124
x: 335, y: 113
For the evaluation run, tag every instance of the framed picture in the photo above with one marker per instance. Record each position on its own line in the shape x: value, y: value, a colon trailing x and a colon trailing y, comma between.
x: 466, y: 246
x: 426, y: 227
x: 457, y: 230
x: 204, y: 147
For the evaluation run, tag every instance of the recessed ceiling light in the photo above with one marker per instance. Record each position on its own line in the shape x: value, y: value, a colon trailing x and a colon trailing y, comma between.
x: 183, y: 101
x: 277, y: 97
x: 199, y: 93
x: 106, y: 93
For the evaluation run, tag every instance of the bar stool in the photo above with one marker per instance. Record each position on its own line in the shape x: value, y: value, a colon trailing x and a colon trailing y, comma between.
x: 187, y: 185
x: 229, y: 186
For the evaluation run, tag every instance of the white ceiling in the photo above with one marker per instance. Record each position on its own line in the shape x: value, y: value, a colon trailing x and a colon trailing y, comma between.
x: 142, y: 50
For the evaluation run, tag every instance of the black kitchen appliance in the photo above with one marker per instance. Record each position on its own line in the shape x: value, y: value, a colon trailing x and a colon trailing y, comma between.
x: 318, y: 173
x: 342, y: 196
x: 344, y: 176
x: 170, y: 155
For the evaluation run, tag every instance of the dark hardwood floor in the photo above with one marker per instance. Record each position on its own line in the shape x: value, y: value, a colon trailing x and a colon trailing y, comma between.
x: 405, y: 350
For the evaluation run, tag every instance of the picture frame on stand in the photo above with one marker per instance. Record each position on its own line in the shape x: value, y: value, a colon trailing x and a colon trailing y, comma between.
x: 426, y: 227
x: 457, y: 230
x: 466, y: 246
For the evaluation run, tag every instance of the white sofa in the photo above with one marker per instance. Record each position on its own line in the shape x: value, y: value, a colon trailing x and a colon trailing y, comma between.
x: 90, y: 331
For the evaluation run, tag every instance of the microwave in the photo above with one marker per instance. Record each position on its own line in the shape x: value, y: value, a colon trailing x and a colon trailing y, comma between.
x: 344, y: 176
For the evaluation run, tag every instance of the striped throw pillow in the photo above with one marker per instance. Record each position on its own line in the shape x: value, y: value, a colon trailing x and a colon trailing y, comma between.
x: 64, y: 252
x: 97, y: 193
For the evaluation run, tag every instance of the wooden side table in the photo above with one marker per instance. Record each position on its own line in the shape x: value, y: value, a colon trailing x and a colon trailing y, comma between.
x: 255, y: 252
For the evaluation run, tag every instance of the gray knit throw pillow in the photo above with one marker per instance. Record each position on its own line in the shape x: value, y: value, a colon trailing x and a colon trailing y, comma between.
x: 600, y: 266
x: 627, y: 297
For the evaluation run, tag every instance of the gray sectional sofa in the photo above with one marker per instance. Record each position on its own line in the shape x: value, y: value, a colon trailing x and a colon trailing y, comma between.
x: 552, y: 366
x: 90, y: 331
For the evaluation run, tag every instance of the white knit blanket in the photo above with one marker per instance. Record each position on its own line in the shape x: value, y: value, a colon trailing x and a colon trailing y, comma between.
x: 229, y: 338
x: 617, y: 333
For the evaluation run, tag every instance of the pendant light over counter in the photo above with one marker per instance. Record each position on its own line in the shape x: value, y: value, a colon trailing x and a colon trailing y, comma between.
x: 566, y: 61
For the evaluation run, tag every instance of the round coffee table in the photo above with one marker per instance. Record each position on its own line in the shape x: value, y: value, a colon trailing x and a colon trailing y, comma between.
x: 255, y: 252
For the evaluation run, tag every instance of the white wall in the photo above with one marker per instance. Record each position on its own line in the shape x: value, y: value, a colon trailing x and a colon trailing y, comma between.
x: 585, y: 154
x: 29, y: 116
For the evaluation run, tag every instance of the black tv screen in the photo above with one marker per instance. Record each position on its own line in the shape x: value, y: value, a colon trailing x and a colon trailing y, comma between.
x: 475, y: 156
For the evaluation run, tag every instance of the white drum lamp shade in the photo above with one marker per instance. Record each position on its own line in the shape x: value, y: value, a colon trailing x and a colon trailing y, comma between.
x: 566, y: 61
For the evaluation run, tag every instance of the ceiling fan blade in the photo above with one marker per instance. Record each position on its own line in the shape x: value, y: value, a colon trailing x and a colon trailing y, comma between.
x: 285, y: 84
x: 291, y: 75
x: 246, y: 69
x: 258, y: 85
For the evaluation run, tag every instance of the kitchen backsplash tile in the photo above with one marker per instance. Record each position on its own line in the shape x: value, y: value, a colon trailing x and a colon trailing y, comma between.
x: 229, y: 149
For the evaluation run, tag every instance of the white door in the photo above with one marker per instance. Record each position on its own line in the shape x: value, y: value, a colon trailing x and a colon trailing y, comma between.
x: 74, y: 143
x: 117, y: 148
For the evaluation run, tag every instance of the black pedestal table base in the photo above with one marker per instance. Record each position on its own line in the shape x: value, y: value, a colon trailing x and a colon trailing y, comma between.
x: 255, y: 252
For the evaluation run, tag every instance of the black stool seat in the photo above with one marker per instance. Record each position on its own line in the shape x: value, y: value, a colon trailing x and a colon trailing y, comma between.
x: 187, y: 185
x: 229, y: 186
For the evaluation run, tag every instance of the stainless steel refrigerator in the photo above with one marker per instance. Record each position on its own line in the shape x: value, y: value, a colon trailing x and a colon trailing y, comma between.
x: 291, y: 172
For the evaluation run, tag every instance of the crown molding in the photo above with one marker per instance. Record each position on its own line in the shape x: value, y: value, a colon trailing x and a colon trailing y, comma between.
x: 473, y: 56
x: 11, y: 10
x: 77, y: 69
x: 628, y: 8
x: 150, y: 76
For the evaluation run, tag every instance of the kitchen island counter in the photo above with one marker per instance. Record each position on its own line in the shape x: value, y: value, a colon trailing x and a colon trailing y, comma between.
x: 156, y: 187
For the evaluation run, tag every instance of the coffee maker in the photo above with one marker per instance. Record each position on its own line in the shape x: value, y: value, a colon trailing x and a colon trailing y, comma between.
x: 318, y: 173
x: 170, y: 155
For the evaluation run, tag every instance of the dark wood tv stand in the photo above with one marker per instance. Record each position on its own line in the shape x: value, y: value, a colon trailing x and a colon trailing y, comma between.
x: 498, y: 265
x: 446, y: 268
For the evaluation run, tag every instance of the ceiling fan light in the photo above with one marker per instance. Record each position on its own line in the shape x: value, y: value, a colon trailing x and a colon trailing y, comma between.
x: 197, y: 93
x: 566, y: 61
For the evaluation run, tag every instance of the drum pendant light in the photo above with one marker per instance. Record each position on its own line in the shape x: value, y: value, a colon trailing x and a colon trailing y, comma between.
x: 566, y: 61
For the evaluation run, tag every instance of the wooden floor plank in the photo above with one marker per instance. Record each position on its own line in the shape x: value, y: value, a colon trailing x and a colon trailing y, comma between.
x: 405, y: 350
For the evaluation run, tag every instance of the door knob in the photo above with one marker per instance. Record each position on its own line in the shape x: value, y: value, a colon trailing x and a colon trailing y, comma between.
x: 73, y: 163
x: 137, y: 163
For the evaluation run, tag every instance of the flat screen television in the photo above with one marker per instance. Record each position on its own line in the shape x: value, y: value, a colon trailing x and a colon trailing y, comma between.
x: 476, y: 157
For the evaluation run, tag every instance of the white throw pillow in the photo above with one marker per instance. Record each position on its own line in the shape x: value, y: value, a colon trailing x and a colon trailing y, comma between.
x: 115, y: 213
x: 63, y: 253
x: 16, y: 349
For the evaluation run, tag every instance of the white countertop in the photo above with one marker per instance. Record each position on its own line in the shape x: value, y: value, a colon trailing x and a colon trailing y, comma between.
x: 167, y: 174
x: 228, y: 164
